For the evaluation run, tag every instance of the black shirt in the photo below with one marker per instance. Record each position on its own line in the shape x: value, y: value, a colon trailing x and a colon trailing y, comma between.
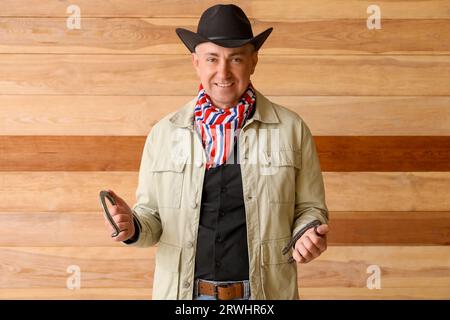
x: 222, y: 252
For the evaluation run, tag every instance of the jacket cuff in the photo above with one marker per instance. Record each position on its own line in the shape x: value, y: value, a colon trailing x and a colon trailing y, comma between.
x: 137, y: 231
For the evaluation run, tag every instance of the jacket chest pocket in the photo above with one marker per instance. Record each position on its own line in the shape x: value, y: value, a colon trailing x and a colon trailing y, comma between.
x: 279, y: 169
x: 168, y: 176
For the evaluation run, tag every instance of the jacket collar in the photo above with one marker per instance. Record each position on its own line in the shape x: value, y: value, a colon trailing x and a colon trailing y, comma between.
x: 264, y: 112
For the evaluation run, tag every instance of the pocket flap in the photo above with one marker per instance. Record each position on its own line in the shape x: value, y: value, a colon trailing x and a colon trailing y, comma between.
x: 161, y: 166
x: 282, y: 158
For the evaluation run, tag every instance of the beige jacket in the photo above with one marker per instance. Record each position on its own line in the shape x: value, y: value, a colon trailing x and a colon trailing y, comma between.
x: 282, y: 187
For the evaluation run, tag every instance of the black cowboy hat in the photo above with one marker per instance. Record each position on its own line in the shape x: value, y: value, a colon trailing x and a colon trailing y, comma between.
x: 224, y: 25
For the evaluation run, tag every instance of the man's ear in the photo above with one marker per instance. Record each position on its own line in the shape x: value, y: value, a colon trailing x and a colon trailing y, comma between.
x: 255, y: 60
x: 195, y: 62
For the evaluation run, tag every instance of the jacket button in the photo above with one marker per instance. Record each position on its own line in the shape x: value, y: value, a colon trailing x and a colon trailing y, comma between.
x: 199, y: 163
x: 189, y: 244
x: 194, y: 204
x: 186, y: 284
x: 224, y: 189
x: 221, y: 213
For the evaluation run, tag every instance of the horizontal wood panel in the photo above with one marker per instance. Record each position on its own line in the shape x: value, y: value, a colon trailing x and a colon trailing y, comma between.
x: 71, y: 153
x: 340, y: 267
x: 62, y: 191
x: 160, y: 74
x: 85, y: 115
x: 384, y: 153
x: 345, y: 191
x: 389, y: 228
x: 372, y: 116
x: 339, y: 154
x: 347, y: 228
x: 291, y: 9
x: 422, y: 266
x: 81, y: 294
x: 338, y: 293
x: 99, y: 267
x: 134, y: 115
x: 328, y: 293
x: 157, y: 36
x: 387, y: 191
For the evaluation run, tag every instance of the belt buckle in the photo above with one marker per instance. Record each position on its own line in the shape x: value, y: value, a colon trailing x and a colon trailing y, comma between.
x: 216, y: 290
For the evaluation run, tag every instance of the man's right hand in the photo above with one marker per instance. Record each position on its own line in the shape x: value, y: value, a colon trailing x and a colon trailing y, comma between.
x: 123, y: 217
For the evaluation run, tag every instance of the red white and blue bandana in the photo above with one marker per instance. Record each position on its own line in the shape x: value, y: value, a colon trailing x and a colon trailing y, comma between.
x: 219, y: 128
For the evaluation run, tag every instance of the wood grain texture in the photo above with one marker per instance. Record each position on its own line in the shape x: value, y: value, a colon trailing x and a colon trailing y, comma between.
x: 71, y: 153
x: 384, y: 154
x: 401, y: 267
x: 291, y: 9
x: 87, y: 229
x: 159, y: 74
x: 157, y: 36
x: 389, y: 228
x: 338, y: 293
x: 81, y: 294
x: 338, y: 154
x: 345, y: 191
x: 99, y: 267
x: 78, y: 115
x: 329, y: 293
x: 62, y: 191
x: 387, y: 191
x: 84, y: 115
x: 402, y: 274
x: 305, y: 293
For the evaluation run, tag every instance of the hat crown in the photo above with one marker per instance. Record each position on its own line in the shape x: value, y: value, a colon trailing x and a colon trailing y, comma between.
x: 225, y: 22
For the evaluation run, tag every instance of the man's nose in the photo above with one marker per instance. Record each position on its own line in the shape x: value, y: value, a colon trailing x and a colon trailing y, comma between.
x: 223, y: 70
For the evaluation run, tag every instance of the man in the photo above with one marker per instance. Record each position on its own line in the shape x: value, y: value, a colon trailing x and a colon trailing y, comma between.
x: 230, y: 186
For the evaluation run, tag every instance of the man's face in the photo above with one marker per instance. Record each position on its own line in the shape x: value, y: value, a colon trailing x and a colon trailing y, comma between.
x: 224, y: 72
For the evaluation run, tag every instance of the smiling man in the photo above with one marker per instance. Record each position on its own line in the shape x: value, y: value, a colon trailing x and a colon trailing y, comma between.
x: 228, y: 225
x: 224, y: 72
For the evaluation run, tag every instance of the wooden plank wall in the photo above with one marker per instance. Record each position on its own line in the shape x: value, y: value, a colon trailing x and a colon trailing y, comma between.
x: 76, y: 105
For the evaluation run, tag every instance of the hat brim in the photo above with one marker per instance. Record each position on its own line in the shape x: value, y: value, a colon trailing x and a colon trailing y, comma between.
x: 192, y: 39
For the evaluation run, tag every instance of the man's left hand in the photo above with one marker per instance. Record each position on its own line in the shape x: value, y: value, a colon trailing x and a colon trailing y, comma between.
x: 311, y: 244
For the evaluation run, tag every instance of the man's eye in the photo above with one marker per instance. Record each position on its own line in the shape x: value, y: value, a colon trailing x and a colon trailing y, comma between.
x: 210, y: 59
x: 237, y: 59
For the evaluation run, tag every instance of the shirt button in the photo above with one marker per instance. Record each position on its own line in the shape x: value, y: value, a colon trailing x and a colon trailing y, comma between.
x: 193, y: 204
x: 186, y: 284
x: 189, y: 244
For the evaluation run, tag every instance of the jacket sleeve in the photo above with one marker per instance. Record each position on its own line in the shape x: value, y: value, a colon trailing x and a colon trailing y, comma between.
x: 145, y: 211
x: 310, y: 206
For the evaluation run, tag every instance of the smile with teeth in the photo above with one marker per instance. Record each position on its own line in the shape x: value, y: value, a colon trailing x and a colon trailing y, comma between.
x: 224, y: 85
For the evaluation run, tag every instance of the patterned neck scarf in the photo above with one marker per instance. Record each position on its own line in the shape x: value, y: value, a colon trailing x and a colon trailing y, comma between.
x: 219, y: 128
